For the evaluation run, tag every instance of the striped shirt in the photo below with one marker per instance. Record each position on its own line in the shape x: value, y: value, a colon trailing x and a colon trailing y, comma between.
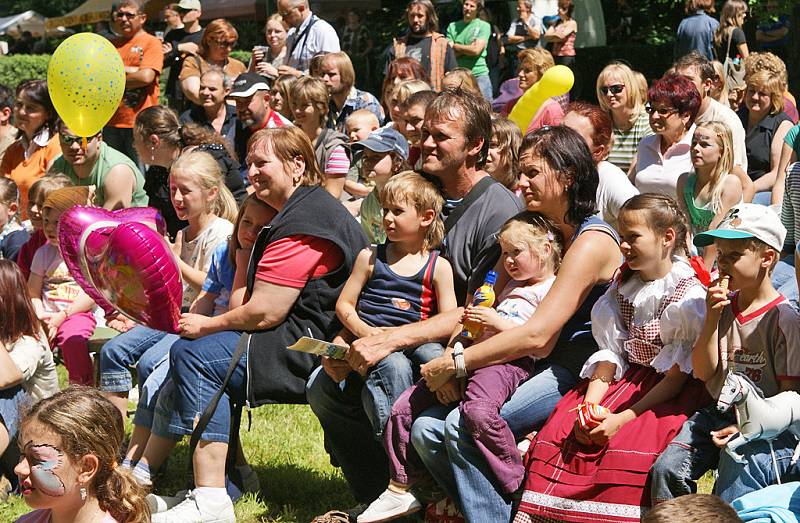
x: 626, y: 142
x: 790, y: 210
x: 338, y: 163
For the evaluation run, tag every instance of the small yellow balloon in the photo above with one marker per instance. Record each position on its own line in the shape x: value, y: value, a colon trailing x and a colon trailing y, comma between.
x: 86, y: 80
x: 554, y: 82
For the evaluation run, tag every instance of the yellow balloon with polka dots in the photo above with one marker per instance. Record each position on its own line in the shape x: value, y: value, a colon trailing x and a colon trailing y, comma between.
x: 86, y: 80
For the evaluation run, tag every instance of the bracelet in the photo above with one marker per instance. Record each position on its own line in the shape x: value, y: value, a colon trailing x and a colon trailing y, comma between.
x: 604, y: 379
x: 458, y: 360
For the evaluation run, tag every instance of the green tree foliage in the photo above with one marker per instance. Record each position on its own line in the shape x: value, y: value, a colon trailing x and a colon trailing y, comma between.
x: 16, y: 69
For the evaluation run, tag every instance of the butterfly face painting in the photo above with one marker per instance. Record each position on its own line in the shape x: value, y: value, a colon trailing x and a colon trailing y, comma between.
x: 45, y: 462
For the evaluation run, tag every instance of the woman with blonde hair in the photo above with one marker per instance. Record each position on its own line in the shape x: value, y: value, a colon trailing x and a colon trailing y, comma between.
x: 219, y: 39
x: 619, y: 94
x: 69, y: 472
x: 463, y: 78
x: 398, y: 96
x: 766, y: 126
x: 533, y: 63
x: 310, y: 106
x: 304, y: 259
x: 265, y: 60
x: 502, y: 157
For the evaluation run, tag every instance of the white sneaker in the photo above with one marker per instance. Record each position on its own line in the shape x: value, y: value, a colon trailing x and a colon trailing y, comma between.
x: 390, y: 505
x: 197, y: 510
x: 164, y: 503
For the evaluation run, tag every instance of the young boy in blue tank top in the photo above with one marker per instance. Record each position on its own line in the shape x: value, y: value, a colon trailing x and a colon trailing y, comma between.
x: 403, y: 280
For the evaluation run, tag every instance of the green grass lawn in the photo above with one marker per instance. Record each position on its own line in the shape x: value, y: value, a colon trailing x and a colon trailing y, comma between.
x: 284, y: 446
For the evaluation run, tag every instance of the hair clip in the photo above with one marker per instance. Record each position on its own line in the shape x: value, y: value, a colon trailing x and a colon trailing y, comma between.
x: 550, y: 236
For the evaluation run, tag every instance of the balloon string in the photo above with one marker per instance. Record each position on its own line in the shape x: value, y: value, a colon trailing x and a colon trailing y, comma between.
x: 83, y: 143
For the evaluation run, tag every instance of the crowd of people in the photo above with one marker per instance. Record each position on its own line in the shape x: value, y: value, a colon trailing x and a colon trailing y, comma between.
x: 641, y: 250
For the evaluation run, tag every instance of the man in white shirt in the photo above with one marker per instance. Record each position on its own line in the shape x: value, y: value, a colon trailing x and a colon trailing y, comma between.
x: 308, y: 36
x: 699, y: 70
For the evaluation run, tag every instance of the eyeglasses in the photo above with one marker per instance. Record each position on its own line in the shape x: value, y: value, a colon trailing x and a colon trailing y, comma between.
x: 613, y: 89
x: 125, y: 14
x: 69, y: 140
x: 665, y: 112
x: 223, y: 43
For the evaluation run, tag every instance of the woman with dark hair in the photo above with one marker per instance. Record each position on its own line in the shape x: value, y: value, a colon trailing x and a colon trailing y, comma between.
x: 37, y: 142
x: 661, y: 158
x: 558, y: 178
x: 159, y: 139
x: 219, y: 39
x: 614, y: 187
x: 562, y: 34
x: 398, y: 70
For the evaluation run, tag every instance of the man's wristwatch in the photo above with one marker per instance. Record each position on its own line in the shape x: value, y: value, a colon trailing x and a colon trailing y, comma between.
x: 458, y: 360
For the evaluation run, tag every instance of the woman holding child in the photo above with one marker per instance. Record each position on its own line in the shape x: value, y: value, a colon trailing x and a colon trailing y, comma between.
x: 559, y: 180
x: 300, y: 265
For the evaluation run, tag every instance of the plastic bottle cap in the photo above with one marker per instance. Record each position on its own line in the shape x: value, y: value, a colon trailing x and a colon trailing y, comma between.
x: 491, y: 277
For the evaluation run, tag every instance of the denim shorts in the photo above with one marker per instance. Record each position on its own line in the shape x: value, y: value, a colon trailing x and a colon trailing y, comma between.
x: 11, y: 401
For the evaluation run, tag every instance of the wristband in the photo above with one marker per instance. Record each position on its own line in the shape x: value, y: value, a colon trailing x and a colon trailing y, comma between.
x: 458, y: 360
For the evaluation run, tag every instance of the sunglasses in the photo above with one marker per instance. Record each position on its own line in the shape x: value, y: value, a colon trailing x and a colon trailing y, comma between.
x: 663, y: 112
x: 69, y: 140
x: 613, y: 89
x: 125, y: 14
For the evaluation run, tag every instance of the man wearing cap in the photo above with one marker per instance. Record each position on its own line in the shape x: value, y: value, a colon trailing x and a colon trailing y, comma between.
x: 353, y: 398
x: 380, y: 143
x: 750, y: 329
x: 308, y: 36
x: 180, y: 43
x: 250, y: 91
x: 143, y: 58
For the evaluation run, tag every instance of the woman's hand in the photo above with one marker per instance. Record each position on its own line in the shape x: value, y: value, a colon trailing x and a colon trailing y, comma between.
x: 580, y: 434
x: 451, y: 391
x: 609, y: 426
x: 266, y: 69
x: 176, y: 246
x: 723, y: 436
x: 438, y: 372
x: 193, y: 326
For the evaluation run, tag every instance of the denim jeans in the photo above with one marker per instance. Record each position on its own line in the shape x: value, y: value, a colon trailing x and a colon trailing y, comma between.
x: 152, y: 385
x: 197, y: 369
x: 165, y: 405
x: 485, y: 85
x: 784, y: 279
x: 122, y: 352
x: 737, y: 479
x: 448, y: 449
x: 688, y: 456
x: 354, y: 414
x: 763, y: 198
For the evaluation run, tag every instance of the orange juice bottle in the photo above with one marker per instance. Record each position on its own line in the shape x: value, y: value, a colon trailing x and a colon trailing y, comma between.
x: 484, y: 297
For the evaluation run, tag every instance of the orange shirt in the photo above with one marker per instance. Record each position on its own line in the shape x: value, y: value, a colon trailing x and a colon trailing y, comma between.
x: 142, y: 51
x: 26, y: 171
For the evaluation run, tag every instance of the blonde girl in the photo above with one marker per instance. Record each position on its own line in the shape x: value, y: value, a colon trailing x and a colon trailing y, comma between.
x: 709, y: 191
x: 398, y: 96
x: 503, y: 154
x: 531, y: 253
x: 36, y: 196
x: 729, y: 39
x: 12, y: 234
x: 68, y: 471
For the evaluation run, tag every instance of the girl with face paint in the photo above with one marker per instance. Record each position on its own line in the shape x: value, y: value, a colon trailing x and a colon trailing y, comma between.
x: 68, y: 470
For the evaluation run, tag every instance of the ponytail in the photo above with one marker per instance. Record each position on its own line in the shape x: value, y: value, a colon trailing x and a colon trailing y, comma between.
x: 225, y: 205
x: 123, y: 497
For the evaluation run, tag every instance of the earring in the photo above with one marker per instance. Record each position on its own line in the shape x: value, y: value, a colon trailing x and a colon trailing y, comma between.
x: 82, y: 491
x: 152, y: 153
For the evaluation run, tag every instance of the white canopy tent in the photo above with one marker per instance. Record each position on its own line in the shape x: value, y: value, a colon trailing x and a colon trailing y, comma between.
x: 32, y: 21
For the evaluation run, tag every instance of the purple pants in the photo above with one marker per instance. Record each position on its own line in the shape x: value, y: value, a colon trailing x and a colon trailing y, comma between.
x: 72, y: 338
x: 487, y: 390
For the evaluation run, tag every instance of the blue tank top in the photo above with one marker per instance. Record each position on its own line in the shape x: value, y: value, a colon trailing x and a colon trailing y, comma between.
x: 391, y: 300
x: 575, y: 343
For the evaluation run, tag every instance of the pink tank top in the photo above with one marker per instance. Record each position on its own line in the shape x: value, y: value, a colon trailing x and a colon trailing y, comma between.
x: 565, y: 48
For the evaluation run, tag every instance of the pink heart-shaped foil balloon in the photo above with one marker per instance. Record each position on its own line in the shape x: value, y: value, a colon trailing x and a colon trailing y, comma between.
x: 122, y: 263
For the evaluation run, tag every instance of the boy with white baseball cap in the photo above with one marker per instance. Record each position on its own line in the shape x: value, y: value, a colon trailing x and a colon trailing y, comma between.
x: 750, y: 329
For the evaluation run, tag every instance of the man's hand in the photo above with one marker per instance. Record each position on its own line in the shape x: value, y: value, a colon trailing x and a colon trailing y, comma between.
x: 336, y: 369
x: 367, y: 352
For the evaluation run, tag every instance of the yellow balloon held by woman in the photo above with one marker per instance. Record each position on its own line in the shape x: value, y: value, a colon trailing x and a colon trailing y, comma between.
x: 86, y: 80
x: 554, y: 82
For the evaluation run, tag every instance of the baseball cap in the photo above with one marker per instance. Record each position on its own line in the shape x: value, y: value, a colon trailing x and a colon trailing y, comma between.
x: 384, y: 140
x: 747, y: 220
x: 246, y: 84
x: 189, y: 4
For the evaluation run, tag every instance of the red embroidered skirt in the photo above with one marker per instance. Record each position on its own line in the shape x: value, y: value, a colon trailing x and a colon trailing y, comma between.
x: 568, y: 481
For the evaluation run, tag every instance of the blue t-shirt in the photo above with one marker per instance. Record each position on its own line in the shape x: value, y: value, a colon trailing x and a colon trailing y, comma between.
x: 219, y: 279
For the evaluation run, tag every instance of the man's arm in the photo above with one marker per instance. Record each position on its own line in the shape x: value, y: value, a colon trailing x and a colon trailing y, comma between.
x: 119, y: 185
x: 140, y: 78
x: 473, y: 49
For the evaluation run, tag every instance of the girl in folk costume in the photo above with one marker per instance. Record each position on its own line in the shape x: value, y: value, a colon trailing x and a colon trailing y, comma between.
x: 637, y: 391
